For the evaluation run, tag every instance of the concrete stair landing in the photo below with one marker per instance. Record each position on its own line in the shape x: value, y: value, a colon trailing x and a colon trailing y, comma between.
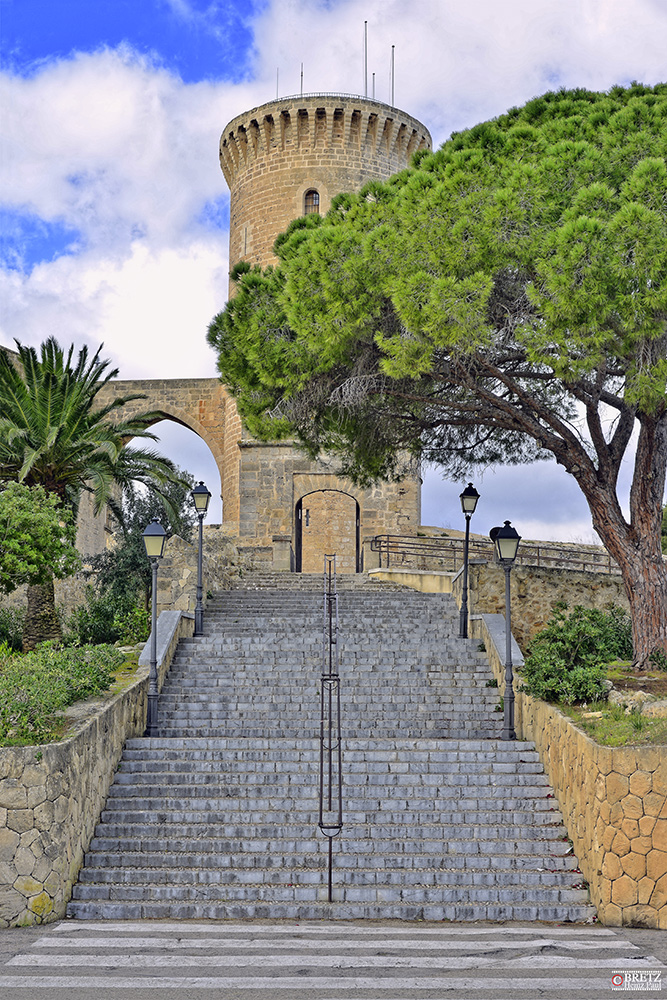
x: 217, y: 817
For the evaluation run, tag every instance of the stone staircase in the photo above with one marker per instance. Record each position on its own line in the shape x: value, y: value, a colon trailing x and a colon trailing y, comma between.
x: 217, y: 817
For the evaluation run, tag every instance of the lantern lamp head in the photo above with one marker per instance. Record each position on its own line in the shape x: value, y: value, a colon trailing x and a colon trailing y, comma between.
x: 154, y: 537
x: 469, y: 499
x: 506, y: 541
x: 201, y: 498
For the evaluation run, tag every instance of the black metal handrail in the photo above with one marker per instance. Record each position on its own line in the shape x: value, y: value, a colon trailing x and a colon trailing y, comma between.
x: 447, y: 553
x: 331, y: 762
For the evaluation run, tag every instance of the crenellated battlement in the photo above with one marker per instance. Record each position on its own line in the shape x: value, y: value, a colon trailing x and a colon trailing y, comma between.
x: 322, y: 122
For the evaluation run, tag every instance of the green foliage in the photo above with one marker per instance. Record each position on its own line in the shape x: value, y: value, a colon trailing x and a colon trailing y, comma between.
x: 106, y: 618
x: 123, y: 571
x: 36, y: 537
x: 36, y: 687
x: 55, y: 430
x: 565, y: 660
x: 11, y: 627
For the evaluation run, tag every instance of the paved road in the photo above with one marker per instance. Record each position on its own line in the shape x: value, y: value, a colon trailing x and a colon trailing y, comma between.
x: 189, y: 960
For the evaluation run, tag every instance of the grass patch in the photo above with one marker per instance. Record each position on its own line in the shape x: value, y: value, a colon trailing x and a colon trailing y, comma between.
x: 614, y: 728
x: 36, y: 688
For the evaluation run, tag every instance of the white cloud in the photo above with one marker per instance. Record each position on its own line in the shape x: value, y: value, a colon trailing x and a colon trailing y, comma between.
x: 120, y: 150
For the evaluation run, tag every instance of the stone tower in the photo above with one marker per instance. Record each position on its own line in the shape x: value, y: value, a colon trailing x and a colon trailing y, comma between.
x: 283, y: 160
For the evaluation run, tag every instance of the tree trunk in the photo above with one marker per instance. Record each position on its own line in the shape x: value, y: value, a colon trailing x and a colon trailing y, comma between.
x: 41, y: 622
x: 636, y: 546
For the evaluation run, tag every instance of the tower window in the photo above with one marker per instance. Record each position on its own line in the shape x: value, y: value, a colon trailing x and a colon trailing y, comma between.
x: 311, y: 202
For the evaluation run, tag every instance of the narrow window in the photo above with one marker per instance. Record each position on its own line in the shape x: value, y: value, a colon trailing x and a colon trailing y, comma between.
x: 312, y: 202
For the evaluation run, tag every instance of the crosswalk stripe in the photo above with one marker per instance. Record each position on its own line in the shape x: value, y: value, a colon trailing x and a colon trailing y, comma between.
x: 305, y: 944
x: 449, y: 983
x: 328, y: 961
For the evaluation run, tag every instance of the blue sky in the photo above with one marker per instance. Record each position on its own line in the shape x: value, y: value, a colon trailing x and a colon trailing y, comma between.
x: 113, y: 208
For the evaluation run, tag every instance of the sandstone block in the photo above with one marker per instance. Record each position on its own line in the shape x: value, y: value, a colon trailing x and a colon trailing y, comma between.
x: 24, y: 861
x: 20, y: 820
x: 633, y: 807
x: 656, y: 864
x: 641, y: 845
x: 640, y: 916
x: 617, y: 787
x: 11, y: 904
x: 659, y: 894
x: 659, y: 835
x: 41, y: 904
x: 653, y: 803
x: 630, y: 828
x: 9, y: 841
x: 641, y: 783
x: 644, y: 889
x: 13, y: 794
x: 646, y: 824
x: 27, y: 885
x: 620, y: 844
x: 624, y: 891
x: 611, y: 866
x: 612, y: 915
x: 634, y: 865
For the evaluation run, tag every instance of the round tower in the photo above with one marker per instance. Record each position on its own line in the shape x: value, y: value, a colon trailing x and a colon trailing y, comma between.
x: 291, y: 156
x: 285, y: 159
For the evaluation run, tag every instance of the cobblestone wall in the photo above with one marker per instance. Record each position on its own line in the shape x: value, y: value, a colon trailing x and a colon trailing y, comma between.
x: 51, y: 797
x: 534, y: 591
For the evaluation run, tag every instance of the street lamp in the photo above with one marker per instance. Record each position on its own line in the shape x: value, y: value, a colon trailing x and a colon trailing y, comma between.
x: 468, y: 499
x: 200, y: 498
x: 506, y: 541
x: 154, y: 537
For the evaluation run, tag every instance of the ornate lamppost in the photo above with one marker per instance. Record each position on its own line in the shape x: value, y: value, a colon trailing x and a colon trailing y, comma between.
x: 468, y: 499
x: 201, y: 498
x: 154, y: 537
x: 506, y: 541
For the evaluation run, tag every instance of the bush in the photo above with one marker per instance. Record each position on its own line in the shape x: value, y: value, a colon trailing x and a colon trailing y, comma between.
x: 106, y: 618
x: 11, y: 627
x: 36, y: 686
x: 565, y: 661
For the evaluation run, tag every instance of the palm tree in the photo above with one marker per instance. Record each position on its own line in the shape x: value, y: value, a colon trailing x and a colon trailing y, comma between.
x: 55, y: 432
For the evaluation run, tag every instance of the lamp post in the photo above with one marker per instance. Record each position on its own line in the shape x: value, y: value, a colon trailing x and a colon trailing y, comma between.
x: 200, y: 498
x: 468, y: 499
x: 154, y: 537
x: 506, y: 541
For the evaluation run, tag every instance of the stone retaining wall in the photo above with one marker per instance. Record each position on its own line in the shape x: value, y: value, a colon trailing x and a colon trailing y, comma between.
x: 613, y: 801
x: 51, y: 796
x: 534, y: 592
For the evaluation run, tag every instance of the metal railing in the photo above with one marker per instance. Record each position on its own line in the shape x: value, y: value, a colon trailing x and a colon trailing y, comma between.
x: 331, y: 763
x: 412, y: 552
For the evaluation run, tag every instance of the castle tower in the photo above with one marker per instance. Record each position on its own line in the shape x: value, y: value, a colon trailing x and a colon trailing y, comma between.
x: 283, y: 160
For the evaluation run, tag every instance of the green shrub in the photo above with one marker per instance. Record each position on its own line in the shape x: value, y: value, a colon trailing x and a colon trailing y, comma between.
x: 106, y: 617
x: 565, y: 661
x: 36, y: 686
x: 11, y: 627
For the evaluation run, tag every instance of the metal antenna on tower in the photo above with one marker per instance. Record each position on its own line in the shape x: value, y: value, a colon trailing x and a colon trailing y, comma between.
x: 392, y: 75
x: 365, y: 58
x: 373, y: 86
x: 302, y: 79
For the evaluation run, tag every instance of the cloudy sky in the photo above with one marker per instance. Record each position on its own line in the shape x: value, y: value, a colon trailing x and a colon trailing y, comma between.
x: 114, y: 210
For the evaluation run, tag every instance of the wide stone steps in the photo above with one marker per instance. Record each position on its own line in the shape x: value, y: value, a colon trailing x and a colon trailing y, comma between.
x: 217, y: 817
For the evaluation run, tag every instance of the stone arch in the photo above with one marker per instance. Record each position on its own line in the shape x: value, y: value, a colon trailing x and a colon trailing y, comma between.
x: 330, y: 523
x: 201, y: 405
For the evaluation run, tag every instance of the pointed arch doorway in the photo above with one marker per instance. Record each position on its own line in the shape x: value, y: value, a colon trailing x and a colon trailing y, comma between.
x: 327, y: 521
